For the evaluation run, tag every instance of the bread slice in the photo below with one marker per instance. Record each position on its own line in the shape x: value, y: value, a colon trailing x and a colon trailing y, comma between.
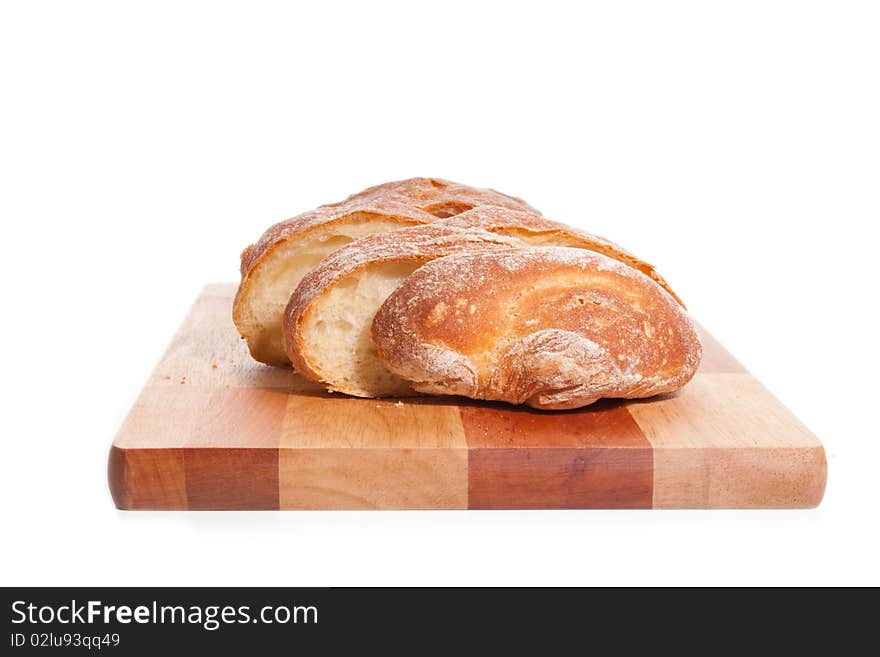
x: 273, y: 267
x: 327, y: 322
x: 553, y: 328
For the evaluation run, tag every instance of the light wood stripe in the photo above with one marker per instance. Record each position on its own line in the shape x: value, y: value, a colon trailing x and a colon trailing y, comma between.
x: 373, y: 478
x: 725, y: 442
x: 345, y: 453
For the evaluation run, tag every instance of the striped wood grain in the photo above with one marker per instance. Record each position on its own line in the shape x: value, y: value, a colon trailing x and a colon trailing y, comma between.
x: 213, y: 429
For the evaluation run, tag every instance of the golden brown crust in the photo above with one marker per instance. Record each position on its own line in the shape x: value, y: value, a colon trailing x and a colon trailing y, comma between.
x: 535, y: 230
x: 549, y: 327
x: 406, y: 202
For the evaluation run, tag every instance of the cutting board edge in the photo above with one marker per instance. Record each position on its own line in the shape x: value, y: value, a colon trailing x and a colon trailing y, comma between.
x: 142, y: 479
x: 740, y: 478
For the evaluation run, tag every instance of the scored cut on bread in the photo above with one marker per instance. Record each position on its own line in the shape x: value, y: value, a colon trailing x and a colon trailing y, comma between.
x: 550, y: 327
x: 538, y: 231
x: 273, y: 266
x: 327, y: 321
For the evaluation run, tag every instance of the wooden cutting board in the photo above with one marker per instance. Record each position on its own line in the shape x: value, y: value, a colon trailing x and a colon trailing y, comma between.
x: 214, y: 429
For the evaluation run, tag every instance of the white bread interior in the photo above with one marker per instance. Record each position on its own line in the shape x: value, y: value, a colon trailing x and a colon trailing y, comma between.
x: 270, y: 285
x: 337, y: 332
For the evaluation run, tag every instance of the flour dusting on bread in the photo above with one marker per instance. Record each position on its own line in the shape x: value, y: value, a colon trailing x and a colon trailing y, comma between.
x: 550, y: 327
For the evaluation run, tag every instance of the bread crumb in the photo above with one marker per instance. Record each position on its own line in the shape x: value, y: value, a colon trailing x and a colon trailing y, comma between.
x: 213, y: 366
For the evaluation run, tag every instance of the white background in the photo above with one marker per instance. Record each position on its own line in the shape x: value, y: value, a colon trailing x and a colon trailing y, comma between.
x: 143, y: 145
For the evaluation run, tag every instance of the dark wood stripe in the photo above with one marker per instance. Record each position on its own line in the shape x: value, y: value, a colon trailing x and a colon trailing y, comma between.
x: 147, y: 479
x: 560, y: 478
x: 231, y: 478
x: 596, y: 457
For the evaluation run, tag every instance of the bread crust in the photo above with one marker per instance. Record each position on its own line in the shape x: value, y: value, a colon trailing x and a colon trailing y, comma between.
x: 417, y: 244
x: 405, y: 202
x: 535, y: 230
x: 551, y: 327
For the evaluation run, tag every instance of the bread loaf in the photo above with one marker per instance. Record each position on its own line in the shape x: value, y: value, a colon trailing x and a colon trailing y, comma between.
x: 554, y: 328
x: 273, y: 267
x: 327, y: 322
